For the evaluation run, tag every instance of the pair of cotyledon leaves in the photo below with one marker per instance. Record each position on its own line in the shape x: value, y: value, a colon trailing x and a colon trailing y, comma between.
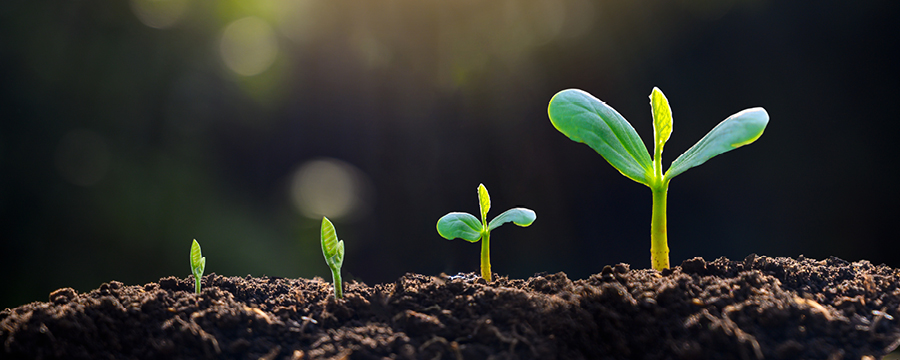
x: 586, y: 119
x: 467, y: 227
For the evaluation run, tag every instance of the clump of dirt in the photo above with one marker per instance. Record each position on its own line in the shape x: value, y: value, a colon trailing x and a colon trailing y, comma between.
x: 758, y: 308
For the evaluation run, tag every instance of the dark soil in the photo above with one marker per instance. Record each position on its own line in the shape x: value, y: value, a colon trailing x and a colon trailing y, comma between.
x: 758, y: 308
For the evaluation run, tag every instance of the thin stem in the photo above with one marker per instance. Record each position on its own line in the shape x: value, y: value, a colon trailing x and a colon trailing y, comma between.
x: 338, y: 285
x: 659, y: 186
x: 486, y: 256
x: 659, y: 248
x: 197, y: 284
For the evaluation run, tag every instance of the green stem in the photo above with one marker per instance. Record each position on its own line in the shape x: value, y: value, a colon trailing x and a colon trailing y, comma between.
x: 338, y: 285
x: 197, y: 284
x: 659, y: 248
x: 486, y: 256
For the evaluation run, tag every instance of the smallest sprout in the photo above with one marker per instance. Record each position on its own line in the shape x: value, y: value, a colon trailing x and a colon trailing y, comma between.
x: 333, y: 249
x: 198, y: 264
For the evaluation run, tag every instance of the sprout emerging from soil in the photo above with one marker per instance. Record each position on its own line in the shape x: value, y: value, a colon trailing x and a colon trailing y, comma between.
x: 333, y: 249
x: 198, y: 264
x: 467, y: 227
x: 586, y: 119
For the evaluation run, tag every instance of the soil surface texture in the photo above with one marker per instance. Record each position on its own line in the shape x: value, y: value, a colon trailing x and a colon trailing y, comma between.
x: 757, y: 308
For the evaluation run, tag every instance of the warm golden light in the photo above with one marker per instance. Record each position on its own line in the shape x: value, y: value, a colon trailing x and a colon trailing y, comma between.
x: 329, y: 187
x: 249, y: 46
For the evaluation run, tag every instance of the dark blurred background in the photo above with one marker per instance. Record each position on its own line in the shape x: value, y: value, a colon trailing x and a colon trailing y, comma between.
x: 130, y: 128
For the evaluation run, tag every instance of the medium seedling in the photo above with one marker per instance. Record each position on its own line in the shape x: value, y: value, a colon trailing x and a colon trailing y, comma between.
x: 198, y: 264
x: 333, y: 249
x: 586, y: 119
x: 467, y: 227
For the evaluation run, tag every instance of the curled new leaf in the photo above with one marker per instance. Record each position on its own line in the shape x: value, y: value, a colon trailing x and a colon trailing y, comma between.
x: 519, y: 216
x: 484, y: 201
x: 198, y: 264
x: 662, y: 118
x: 737, y: 130
x: 332, y: 248
x: 460, y: 225
x: 586, y: 119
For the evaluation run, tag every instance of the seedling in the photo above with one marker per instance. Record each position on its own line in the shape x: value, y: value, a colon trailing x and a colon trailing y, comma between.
x: 333, y: 249
x: 467, y: 227
x: 586, y: 119
x: 198, y: 264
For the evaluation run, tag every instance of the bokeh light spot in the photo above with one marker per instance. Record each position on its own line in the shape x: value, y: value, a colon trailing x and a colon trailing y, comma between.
x: 332, y: 188
x: 82, y: 157
x: 159, y: 14
x: 248, y: 46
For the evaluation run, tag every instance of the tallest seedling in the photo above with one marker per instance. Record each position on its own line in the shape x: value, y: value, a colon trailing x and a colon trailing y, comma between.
x: 585, y: 119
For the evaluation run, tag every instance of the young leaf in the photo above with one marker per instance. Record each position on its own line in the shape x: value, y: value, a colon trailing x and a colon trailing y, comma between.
x: 484, y: 201
x: 586, y: 119
x: 332, y: 248
x: 737, y: 130
x: 198, y: 262
x: 662, y: 119
x: 519, y: 216
x: 459, y: 225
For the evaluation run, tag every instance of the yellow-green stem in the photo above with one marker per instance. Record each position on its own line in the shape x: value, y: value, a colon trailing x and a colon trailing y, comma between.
x: 659, y: 247
x: 338, y: 285
x: 486, y: 256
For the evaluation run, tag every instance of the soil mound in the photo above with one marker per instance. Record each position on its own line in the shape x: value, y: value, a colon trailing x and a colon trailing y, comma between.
x: 758, y: 308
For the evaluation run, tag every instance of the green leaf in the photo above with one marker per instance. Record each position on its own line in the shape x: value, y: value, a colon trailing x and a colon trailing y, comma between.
x: 586, y: 119
x: 338, y: 258
x: 519, y: 216
x: 737, y: 130
x: 459, y: 225
x: 662, y: 118
x: 484, y: 201
x: 198, y: 262
x: 331, y: 247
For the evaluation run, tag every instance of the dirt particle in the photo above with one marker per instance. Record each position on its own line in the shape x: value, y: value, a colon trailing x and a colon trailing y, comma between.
x: 62, y: 296
x: 694, y: 266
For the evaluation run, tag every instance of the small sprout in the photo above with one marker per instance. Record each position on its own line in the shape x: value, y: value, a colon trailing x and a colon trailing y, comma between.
x: 198, y: 264
x: 333, y: 249
x: 586, y: 119
x: 467, y: 227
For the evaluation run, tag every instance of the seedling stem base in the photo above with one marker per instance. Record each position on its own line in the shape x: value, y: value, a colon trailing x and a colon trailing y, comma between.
x: 659, y: 247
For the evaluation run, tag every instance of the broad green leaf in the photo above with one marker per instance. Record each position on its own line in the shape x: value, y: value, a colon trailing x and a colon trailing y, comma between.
x: 331, y: 247
x: 737, y: 130
x: 484, y: 201
x: 198, y: 262
x: 662, y: 119
x: 586, y: 119
x: 459, y: 225
x: 519, y: 216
